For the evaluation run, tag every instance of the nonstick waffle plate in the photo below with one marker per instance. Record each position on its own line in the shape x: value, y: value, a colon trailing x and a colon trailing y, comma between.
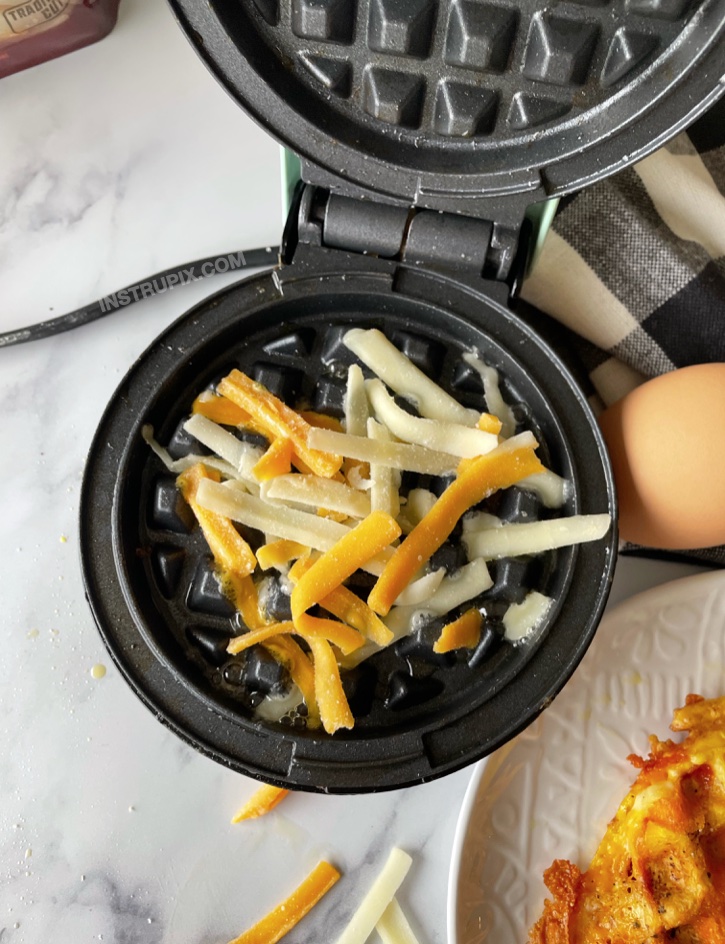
x: 148, y: 571
x: 443, y: 101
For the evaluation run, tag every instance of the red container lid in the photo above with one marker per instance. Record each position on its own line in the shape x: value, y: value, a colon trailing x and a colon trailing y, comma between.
x: 33, y: 31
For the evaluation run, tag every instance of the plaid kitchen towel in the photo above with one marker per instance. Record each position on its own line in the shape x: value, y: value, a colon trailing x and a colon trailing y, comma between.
x: 635, y: 267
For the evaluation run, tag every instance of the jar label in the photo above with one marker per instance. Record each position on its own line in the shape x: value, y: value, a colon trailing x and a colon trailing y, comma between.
x: 25, y: 16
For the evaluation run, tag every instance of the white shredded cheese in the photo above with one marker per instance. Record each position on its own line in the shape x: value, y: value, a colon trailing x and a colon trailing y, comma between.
x: 551, y: 488
x: 402, y: 376
x: 356, y: 402
x: 275, y: 707
x: 479, y: 521
x: 417, y: 592
x: 282, y: 522
x: 471, y: 580
x: 319, y: 493
x: 243, y: 456
x: 468, y: 582
x: 393, y: 926
x: 400, y: 621
x: 492, y: 392
x: 403, y: 620
x: 357, y: 480
x: 383, y: 490
x: 454, y: 438
x: 519, y: 441
x: 420, y: 501
x: 513, y: 540
x: 521, y: 619
x: 396, y: 455
x: 177, y: 466
x: 378, y: 898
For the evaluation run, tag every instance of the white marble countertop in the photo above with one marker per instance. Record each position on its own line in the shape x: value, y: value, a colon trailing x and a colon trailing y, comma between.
x: 116, y: 162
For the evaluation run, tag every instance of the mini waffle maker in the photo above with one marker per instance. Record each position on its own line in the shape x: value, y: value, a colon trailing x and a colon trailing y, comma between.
x: 425, y: 128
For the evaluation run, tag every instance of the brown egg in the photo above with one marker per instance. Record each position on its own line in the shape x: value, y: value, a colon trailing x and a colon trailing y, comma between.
x: 666, y: 440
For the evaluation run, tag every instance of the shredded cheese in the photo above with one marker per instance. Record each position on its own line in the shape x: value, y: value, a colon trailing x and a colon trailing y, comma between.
x: 534, y: 537
x: 277, y: 460
x: 521, y: 619
x: 223, y: 411
x: 404, y: 456
x: 454, y: 438
x: 261, y: 802
x: 402, y: 376
x: 383, y: 491
x: 279, y: 553
x: 354, y: 549
x: 463, y: 633
x: 278, y: 420
x: 349, y: 608
x: 242, y: 456
x: 231, y: 552
x: 550, y: 488
x: 418, y: 503
x: 358, y: 475
x: 422, y: 589
x: 178, y: 466
x: 492, y: 392
x: 280, y: 921
x: 319, y: 493
x: 480, y: 477
x: 381, y: 893
x: 332, y: 702
x: 356, y: 402
x: 471, y: 580
x: 344, y: 637
x: 355, y: 476
x: 393, y: 926
x: 282, y: 522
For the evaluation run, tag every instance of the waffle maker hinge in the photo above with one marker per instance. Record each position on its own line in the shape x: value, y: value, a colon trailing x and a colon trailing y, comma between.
x: 471, y: 249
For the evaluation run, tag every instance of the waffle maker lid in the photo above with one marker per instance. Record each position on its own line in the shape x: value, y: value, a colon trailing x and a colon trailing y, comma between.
x: 479, y: 107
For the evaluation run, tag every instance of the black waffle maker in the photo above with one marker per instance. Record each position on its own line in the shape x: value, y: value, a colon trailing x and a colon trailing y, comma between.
x: 425, y: 128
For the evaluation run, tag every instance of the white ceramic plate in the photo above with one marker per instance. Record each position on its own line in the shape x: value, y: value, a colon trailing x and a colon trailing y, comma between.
x: 551, y: 792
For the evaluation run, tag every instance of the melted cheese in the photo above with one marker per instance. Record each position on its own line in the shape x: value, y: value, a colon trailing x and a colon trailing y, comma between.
x: 659, y: 871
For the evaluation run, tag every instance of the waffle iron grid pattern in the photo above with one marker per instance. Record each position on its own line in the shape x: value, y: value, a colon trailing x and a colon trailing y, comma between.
x: 396, y: 683
x: 461, y: 69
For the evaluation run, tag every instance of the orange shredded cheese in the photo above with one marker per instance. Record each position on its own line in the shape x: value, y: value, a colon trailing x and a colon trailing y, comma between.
x: 338, y: 516
x: 344, y: 637
x: 349, y: 608
x: 299, y: 665
x: 277, y: 460
x: 300, y: 566
x: 477, y: 478
x: 321, y: 420
x: 278, y: 420
x: 489, y: 423
x: 331, y: 700
x: 242, y: 591
x: 230, y: 550
x: 285, y: 916
x: 463, y: 633
x: 220, y: 410
x: 347, y: 555
x: 277, y: 553
x: 261, y: 802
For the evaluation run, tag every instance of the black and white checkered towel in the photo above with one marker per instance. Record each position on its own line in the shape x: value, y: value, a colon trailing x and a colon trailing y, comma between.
x: 635, y: 266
